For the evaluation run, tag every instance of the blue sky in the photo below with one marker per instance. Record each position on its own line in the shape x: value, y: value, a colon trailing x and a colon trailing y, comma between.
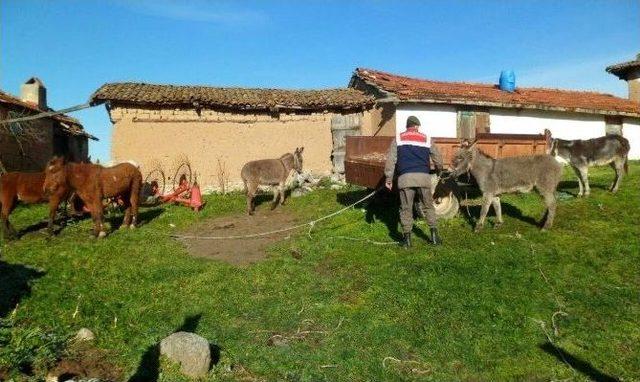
x: 76, y: 46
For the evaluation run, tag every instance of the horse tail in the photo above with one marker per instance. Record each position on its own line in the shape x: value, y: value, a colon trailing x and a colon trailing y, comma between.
x: 136, y: 183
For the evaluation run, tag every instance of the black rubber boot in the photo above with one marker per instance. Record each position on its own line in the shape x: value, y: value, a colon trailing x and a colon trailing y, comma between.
x: 435, y: 238
x: 406, y: 241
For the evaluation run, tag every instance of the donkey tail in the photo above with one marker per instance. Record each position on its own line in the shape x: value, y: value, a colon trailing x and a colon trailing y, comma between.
x: 626, y: 164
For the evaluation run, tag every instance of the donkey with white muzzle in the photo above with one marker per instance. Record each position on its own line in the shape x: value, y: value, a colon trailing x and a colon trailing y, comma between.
x: 582, y: 154
x: 271, y: 172
x: 512, y: 174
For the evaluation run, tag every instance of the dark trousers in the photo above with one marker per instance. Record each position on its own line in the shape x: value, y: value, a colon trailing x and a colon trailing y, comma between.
x: 407, y: 196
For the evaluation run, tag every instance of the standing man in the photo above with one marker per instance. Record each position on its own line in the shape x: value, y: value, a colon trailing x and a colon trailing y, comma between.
x: 408, y: 157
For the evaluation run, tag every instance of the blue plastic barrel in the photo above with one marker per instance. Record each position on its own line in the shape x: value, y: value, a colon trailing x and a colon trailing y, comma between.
x: 508, y: 81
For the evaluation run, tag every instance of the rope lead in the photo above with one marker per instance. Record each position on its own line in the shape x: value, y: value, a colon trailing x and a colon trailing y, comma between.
x: 249, y: 236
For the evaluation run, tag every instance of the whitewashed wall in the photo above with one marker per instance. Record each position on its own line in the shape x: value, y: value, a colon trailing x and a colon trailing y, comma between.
x: 561, y: 125
x: 631, y: 131
x: 440, y: 121
x: 435, y: 120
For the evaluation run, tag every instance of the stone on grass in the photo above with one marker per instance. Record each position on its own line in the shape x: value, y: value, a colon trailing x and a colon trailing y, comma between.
x: 85, y: 334
x: 337, y: 178
x: 299, y: 192
x: 190, y: 350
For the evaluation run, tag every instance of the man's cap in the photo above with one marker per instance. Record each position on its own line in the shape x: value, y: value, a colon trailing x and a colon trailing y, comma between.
x: 413, y: 121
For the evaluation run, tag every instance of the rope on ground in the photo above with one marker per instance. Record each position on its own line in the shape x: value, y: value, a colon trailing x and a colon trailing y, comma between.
x: 48, y: 113
x: 365, y: 240
x: 311, y: 224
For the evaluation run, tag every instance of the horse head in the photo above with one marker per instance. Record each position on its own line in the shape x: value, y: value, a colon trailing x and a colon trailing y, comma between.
x: 55, y: 176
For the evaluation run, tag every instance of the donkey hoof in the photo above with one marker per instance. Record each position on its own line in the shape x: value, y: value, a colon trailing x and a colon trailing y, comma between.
x: 102, y: 234
x: 497, y: 225
x: 132, y: 226
x: 477, y: 228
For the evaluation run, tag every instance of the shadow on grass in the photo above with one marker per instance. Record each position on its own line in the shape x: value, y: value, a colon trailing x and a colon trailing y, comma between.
x: 382, y: 207
x: 15, y: 282
x: 266, y: 197
x: 566, y: 185
x: 149, y: 367
x: 144, y: 217
x: 60, y: 223
x: 576, y: 363
x: 508, y: 209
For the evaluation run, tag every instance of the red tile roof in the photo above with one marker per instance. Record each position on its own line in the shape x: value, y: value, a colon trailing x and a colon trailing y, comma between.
x: 461, y: 93
x: 230, y: 98
x: 68, y: 124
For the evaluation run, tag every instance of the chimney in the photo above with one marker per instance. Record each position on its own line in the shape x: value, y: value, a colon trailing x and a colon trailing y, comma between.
x: 630, y: 72
x: 33, y: 91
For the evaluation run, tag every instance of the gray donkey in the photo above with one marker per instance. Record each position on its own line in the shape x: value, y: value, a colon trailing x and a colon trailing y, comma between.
x: 610, y: 149
x: 271, y: 172
x: 497, y: 176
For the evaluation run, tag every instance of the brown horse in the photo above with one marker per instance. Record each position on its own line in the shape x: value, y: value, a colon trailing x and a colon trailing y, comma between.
x: 272, y: 172
x: 92, y: 183
x: 27, y: 188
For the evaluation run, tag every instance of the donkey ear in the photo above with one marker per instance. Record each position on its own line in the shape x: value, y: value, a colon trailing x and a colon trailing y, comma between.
x: 464, y: 143
x: 301, y: 149
x: 473, y: 143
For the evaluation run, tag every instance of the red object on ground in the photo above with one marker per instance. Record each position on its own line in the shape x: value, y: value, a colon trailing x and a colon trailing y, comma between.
x: 196, y: 197
x: 184, y: 187
x: 195, y: 201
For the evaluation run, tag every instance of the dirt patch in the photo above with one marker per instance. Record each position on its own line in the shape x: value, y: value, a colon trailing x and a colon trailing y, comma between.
x: 239, y: 252
x: 86, y: 361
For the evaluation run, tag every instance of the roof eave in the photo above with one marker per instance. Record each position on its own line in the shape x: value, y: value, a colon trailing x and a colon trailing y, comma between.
x: 387, y: 96
x: 621, y: 70
x: 521, y: 106
x: 241, y: 108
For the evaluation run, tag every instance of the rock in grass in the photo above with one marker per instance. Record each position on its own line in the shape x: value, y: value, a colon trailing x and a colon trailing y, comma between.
x: 299, y: 192
x: 85, y: 334
x: 190, y: 350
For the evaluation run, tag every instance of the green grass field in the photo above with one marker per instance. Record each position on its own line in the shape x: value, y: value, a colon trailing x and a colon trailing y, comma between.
x: 320, y: 307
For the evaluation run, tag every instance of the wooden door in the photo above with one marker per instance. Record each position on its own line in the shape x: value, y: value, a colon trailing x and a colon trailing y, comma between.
x: 341, y: 127
x: 472, y: 122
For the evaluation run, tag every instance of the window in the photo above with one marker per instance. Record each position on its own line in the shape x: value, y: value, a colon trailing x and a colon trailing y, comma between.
x: 471, y: 122
x: 613, y: 125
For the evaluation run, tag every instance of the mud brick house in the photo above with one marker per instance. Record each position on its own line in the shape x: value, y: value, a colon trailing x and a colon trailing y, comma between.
x: 220, y: 129
x: 458, y: 109
x: 27, y: 146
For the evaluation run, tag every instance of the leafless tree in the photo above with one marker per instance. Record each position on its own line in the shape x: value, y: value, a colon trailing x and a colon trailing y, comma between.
x: 24, y: 133
x: 223, y: 176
